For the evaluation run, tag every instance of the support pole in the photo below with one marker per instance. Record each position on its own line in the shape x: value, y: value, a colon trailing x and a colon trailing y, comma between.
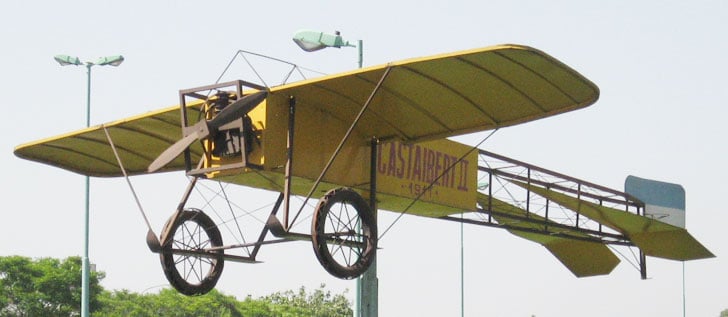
x: 85, y: 269
x: 462, y: 265
x: 360, y: 47
x: 369, y: 283
x: 683, y: 288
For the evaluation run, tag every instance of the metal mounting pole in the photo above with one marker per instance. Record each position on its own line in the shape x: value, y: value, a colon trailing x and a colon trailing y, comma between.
x: 369, y: 294
x: 462, y: 265
x: 360, y: 47
x: 85, y: 269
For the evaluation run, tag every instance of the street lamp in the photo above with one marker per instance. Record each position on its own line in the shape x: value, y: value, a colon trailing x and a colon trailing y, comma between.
x: 310, y: 41
x: 66, y: 60
x: 367, y: 284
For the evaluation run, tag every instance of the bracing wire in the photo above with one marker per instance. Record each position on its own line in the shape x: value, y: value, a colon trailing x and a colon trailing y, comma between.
x: 243, y: 53
x: 432, y: 183
x: 634, y: 265
x: 232, y: 213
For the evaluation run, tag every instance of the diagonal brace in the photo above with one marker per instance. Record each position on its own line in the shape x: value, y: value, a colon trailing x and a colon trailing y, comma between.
x: 343, y: 141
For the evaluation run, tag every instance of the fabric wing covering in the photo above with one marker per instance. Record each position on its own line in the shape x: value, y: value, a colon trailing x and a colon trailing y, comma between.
x: 420, y: 99
x: 138, y: 140
x: 451, y: 94
x: 653, y: 237
x: 583, y: 258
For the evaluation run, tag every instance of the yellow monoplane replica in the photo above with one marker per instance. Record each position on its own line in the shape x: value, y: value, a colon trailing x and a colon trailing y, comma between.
x: 376, y: 138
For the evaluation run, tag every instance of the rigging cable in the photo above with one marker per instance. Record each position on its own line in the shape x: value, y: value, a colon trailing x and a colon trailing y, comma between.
x: 429, y: 186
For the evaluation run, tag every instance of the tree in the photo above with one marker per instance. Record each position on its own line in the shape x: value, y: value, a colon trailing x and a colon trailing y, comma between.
x: 43, y: 287
x: 168, y: 302
x: 51, y: 287
x: 724, y: 313
x: 321, y: 303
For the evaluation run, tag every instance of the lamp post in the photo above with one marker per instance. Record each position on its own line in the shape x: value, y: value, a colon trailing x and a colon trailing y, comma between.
x: 310, y: 41
x: 367, y: 284
x: 66, y: 60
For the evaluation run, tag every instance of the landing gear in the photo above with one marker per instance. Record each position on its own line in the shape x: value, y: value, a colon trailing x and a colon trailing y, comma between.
x: 344, y: 233
x: 187, y: 260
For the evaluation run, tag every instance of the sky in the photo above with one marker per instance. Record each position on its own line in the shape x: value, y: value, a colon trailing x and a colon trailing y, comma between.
x: 660, y: 67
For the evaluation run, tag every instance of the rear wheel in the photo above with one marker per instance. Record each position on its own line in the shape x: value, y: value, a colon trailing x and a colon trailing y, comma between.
x: 344, y: 233
x: 188, y: 263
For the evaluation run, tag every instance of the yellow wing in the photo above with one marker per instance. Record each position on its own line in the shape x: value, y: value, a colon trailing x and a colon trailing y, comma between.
x: 138, y: 140
x: 451, y: 94
x: 420, y: 99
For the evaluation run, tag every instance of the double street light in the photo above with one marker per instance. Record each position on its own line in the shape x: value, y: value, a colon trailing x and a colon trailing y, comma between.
x: 66, y: 60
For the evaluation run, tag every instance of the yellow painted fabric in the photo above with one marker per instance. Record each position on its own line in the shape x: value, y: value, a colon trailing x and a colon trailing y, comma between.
x: 421, y: 99
x: 138, y: 140
x: 653, y: 237
x: 450, y: 94
x: 582, y: 258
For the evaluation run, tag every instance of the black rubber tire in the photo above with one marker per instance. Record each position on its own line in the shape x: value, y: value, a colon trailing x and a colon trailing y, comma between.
x: 358, y: 226
x: 207, y: 270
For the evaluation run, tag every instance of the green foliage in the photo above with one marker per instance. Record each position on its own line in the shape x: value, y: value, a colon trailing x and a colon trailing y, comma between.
x: 43, y: 287
x: 51, y: 287
x: 321, y: 303
x: 724, y: 313
x: 168, y: 302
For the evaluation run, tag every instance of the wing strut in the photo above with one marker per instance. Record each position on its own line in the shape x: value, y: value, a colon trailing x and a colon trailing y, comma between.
x: 343, y: 140
x: 152, y: 240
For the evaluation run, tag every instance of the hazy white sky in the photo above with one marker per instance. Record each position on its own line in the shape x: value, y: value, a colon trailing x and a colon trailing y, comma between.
x: 660, y: 66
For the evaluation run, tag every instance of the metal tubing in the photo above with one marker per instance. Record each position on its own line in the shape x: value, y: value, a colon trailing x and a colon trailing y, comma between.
x: 265, y: 230
x: 547, y: 215
x: 643, y: 265
x: 184, y: 121
x: 490, y: 196
x: 627, y: 203
x: 556, y: 174
x: 163, y: 236
x: 528, y: 193
x: 343, y: 140
x: 289, y: 161
x: 373, y: 159
x: 578, y: 204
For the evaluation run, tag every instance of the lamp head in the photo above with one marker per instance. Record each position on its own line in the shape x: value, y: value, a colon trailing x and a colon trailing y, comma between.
x: 65, y: 60
x: 115, y: 60
x: 311, y: 41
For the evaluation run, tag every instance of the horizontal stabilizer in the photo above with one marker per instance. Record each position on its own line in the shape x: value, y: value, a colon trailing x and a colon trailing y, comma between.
x: 653, y: 237
x: 582, y: 258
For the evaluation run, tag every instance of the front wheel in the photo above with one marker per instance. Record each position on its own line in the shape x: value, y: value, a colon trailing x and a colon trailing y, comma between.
x: 189, y: 264
x: 344, y: 233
